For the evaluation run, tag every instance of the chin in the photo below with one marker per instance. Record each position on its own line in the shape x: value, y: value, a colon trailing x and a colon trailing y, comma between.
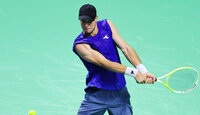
x: 88, y: 32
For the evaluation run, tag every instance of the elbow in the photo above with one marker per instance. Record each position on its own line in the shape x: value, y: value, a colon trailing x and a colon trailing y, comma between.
x: 127, y: 49
x: 103, y: 64
x: 100, y: 63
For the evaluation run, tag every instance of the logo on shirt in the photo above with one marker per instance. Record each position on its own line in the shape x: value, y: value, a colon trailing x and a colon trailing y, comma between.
x: 105, y: 37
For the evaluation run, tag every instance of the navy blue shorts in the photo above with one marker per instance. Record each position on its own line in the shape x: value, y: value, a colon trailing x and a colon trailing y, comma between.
x: 98, y: 101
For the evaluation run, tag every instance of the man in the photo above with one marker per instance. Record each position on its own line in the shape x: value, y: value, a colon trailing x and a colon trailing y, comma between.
x: 106, y: 85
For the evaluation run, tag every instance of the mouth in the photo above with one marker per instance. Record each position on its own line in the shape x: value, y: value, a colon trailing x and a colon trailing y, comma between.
x: 87, y: 29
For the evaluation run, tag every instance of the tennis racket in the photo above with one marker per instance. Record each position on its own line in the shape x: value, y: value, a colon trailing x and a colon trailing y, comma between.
x: 180, y: 80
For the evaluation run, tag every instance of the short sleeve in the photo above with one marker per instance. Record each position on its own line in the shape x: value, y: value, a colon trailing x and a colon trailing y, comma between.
x: 80, y: 40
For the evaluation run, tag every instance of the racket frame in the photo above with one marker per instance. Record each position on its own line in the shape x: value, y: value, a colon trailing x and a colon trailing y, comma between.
x: 169, y: 74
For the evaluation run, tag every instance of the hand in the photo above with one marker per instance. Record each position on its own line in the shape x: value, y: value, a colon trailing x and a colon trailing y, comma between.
x: 150, y: 78
x: 146, y: 78
x: 140, y: 78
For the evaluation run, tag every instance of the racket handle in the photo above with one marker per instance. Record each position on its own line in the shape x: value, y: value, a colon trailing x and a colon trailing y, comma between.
x: 155, y: 79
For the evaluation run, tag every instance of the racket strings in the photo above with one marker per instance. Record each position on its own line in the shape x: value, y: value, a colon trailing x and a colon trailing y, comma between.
x: 182, y: 80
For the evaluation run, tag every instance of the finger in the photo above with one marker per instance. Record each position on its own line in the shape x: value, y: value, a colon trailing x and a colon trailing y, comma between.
x: 152, y: 80
x: 142, y: 82
x: 148, y: 81
x: 152, y: 77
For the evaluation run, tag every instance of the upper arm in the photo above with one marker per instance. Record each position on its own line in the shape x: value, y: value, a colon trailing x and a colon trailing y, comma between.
x: 116, y: 37
x: 90, y: 55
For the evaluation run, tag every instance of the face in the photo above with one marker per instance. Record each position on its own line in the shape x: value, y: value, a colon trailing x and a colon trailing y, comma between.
x: 88, y: 26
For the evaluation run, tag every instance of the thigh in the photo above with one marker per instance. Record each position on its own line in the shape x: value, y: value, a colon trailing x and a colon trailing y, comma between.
x: 91, y: 107
x: 121, y: 110
x: 121, y: 104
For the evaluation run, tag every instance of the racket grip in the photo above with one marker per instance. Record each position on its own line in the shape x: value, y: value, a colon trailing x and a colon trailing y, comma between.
x: 155, y: 79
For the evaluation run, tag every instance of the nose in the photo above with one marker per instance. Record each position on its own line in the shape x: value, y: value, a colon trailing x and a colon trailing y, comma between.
x: 86, y: 24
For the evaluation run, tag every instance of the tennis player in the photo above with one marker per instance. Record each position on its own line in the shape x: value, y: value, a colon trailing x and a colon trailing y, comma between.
x: 97, y: 46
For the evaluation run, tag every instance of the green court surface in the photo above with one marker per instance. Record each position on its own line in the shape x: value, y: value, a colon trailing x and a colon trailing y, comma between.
x: 39, y: 71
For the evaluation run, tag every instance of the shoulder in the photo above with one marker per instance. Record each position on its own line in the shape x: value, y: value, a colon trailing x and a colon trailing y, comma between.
x: 81, y: 40
x: 107, y: 23
x: 103, y: 22
x: 104, y: 25
x: 110, y: 23
x: 79, y: 37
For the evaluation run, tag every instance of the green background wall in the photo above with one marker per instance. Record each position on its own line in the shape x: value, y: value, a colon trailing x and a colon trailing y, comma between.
x: 39, y: 71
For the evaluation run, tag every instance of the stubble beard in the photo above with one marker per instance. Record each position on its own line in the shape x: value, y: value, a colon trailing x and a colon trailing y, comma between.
x: 89, y: 33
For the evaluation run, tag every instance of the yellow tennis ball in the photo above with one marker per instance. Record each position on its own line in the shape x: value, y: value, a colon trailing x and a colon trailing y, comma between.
x: 32, y: 112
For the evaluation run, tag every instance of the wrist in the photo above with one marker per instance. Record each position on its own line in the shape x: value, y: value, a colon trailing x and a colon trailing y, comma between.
x: 131, y: 71
x: 142, y: 68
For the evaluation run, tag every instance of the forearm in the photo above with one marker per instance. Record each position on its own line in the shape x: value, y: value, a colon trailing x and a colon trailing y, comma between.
x: 131, y: 55
x: 113, y: 66
x: 119, y: 68
x: 133, y: 58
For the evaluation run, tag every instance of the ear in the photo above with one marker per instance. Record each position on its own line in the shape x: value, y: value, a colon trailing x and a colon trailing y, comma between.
x: 96, y: 18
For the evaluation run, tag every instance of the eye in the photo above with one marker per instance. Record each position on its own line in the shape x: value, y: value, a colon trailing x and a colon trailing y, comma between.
x: 86, y: 21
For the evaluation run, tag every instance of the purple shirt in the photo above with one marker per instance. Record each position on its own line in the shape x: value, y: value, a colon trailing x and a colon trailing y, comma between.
x: 102, y: 42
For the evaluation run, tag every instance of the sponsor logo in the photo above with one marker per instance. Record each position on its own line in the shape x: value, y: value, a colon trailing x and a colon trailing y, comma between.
x: 105, y: 37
